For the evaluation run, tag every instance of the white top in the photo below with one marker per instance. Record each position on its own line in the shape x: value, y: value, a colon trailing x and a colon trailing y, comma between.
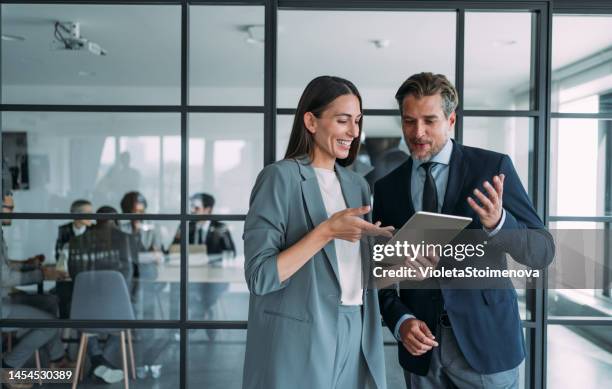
x: 78, y: 231
x: 347, y: 253
x: 204, y: 228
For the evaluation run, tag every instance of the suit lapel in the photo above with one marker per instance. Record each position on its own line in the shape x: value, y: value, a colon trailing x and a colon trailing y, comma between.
x: 315, y: 207
x: 403, y: 199
x: 350, y: 189
x: 456, y: 179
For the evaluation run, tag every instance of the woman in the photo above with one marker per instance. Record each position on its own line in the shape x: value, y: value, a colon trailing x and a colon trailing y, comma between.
x: 313, y: 323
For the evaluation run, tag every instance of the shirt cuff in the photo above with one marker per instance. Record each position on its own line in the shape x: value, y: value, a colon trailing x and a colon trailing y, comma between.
x: 402, y: 319
x: 494, y: 231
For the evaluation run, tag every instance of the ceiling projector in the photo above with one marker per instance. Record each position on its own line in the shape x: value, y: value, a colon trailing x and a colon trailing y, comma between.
x: 68, y: 36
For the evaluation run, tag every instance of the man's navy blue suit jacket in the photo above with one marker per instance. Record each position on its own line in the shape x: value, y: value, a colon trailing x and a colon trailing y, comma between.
x: 486, y: 322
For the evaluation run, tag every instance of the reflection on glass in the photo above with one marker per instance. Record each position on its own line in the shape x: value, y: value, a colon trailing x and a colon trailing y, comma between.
x: 511, y: 136
x: 150, y: 355
x: 382, y: 149
x: 217, y: 289
x: 498, y: 60
x: 581, y: 52
x: 230, y: 73
x: 358, y: 46
x: 113, y: 60
x: 586, y: 349
x: 583, y: 302
x: 523, y: 295
x: 55, y: 158
x: 225, y: 157
x: 216, y: 363
x: 588, y: 140
x: 48, y: 256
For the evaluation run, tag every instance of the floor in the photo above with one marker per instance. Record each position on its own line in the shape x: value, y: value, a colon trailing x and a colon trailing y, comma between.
x: 216, y: 357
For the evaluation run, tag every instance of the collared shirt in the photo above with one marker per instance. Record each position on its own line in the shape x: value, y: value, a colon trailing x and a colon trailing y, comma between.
x: 78, y: 231
x: 440, y: 172
x: 201, y: 230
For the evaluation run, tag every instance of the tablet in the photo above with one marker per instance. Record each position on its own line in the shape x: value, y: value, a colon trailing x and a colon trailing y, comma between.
x: 428, y: 228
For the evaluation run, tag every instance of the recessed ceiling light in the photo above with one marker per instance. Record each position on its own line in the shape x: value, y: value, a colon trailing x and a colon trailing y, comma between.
x: 380, y: 43
x: 255, y: 34
x: 504, y: 43
x: 12, y: 38
x: 83, y: 73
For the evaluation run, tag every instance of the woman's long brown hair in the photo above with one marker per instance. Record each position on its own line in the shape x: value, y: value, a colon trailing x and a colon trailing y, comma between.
x: 319, y: 93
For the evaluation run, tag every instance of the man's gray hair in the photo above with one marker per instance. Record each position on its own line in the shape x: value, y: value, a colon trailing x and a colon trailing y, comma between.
x: 77, y: 205
x: 429, y: 84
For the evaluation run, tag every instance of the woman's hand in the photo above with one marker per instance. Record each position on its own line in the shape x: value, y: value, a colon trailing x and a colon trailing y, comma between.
x: 347, y: 225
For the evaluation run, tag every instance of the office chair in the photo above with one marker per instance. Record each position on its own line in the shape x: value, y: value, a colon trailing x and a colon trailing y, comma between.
x: 102, y: 295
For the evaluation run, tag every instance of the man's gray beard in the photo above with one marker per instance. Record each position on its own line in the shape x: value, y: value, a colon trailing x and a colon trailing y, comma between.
x: 428, y: 157
x: 424, y: 159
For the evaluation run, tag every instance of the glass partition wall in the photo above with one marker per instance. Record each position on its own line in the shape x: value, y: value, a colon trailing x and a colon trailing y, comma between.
x: 169, y: 120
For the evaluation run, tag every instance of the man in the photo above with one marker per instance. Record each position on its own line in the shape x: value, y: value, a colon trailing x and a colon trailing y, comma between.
x: 147, y: 234
x: 214, y: 234
x: 68, y: 231
x: 15, y: 273
x: 218, y: 239
x: 478, y: 336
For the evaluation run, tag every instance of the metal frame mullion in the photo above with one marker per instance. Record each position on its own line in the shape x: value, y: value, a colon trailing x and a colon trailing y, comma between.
x: 568, y: 115
x: 226, y: 2
x: 1, y: 150
x: 95, y: 2
x: 226, y: 109
x: 542, y: 152
x: 119, y: 216
x: 90, y: 108
x: 580, y: 320
x: 594, y: 219
x: 144, y: 324
x: 271, y: 22
x: 499, y: 113
x: 582, y: 7
x: 385, y: 5
x: 139, y: 2
x: 184, y: 276
x: 459, y: 71
x: 131, y: 108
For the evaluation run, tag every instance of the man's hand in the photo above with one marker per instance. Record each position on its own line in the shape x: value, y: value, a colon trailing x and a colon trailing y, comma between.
x: 416, y: 337
x: 490, y: 210
x: 52, y: 273
x: 36, y: 260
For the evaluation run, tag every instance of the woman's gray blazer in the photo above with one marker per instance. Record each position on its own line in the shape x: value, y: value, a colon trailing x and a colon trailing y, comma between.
x: 292, y: 328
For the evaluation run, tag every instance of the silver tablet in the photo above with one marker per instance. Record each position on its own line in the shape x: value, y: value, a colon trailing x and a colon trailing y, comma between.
x: 427, y: 228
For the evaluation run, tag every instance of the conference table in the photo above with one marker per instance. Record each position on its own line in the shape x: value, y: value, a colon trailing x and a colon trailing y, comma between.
x: 201, y: 268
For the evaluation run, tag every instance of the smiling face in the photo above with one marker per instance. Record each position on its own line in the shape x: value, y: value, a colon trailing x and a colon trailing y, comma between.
x: 426, y: 129
x: 334, y: 130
